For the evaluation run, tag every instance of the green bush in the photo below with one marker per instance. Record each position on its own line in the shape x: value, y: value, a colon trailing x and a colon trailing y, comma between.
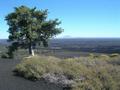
x: 88, y: 73
x: 34, y: 67
x: 5, y: 56
x: 114, y: 55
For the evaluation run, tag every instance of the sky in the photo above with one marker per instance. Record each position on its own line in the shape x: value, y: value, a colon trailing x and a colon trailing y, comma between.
x: 80, y: 18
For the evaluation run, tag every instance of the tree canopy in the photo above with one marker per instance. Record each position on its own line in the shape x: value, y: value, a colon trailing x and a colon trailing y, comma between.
x: 29, y: 26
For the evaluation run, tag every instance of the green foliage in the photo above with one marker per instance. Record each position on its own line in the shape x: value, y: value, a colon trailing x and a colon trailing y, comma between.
x: 114, y: 55
x: 35, y: 67
x: 87, y: 73
x: 28, y: 26
x: 4, y: 55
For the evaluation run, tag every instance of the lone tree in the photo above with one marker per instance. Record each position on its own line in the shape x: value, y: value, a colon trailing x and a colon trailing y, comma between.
x: 28, y: 27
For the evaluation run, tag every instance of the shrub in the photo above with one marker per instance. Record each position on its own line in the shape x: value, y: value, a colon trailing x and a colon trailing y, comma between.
x: 85, y: 73
x: 114, y: 55
x: 5, y: 56
x: 34, y: 67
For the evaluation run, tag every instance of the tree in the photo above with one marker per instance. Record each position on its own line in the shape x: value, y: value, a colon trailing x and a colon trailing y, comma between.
x: 28, y: 26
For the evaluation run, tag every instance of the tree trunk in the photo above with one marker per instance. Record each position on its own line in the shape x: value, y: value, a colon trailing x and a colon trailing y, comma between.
x: 31, y: 51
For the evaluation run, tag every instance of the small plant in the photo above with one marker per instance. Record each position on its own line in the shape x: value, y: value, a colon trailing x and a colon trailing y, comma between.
x: 114, y: 55
x: 4, y: 56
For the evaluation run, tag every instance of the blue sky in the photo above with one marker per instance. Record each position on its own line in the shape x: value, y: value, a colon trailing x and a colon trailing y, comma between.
x: 80, y: 18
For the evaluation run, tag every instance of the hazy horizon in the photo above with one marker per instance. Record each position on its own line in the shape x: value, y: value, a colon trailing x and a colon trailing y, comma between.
x: 60, y: 37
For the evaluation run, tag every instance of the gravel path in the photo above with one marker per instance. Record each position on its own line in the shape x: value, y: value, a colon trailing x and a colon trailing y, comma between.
x: 10, y: 82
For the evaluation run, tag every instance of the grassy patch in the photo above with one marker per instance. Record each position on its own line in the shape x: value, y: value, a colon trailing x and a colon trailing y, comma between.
x: 86, y: 73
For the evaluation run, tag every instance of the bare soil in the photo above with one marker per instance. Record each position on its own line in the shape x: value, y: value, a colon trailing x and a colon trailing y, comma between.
x: 8, y: 81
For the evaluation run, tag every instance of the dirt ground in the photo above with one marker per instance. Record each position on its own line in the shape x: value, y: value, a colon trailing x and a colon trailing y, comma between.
x: 8, y: 81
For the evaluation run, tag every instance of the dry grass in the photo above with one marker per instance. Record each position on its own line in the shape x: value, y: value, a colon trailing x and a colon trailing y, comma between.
x: 88, y: 73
